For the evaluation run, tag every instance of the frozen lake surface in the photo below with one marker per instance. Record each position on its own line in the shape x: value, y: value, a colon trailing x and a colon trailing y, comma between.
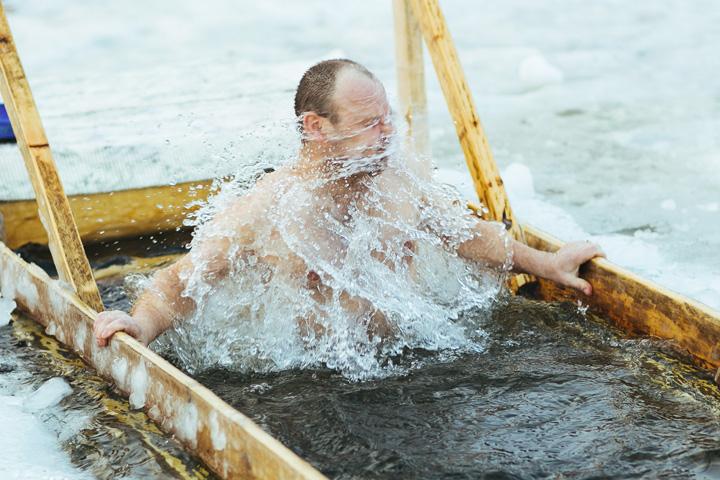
x: 604, y: 118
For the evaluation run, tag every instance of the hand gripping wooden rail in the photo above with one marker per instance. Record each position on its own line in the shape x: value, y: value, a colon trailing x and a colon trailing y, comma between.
x: 226, y: 440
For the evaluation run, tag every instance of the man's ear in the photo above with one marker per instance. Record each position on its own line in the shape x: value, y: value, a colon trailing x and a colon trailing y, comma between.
x: 313, y: 126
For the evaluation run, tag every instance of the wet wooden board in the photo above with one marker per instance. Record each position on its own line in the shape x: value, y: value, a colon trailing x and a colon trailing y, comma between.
x: 230, y: 443
x: 638, y: 306
x: 109, y: 216
x: 52, y: 205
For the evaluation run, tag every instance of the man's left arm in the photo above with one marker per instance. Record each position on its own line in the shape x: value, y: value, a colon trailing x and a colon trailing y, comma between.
x: 561, y: 267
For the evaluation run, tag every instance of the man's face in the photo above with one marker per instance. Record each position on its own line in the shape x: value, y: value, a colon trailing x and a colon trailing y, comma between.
x: 363, y: 130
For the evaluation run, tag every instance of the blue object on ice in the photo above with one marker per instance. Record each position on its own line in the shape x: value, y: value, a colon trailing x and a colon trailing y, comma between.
x: 6, y: 131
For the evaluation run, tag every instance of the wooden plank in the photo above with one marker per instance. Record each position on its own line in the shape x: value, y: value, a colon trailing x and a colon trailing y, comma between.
x: 479, y: 159
x: 229, y: 442
x: 108, y: 216
x: 638, y: 306
x: 411, y: 83
x: 54, y: 210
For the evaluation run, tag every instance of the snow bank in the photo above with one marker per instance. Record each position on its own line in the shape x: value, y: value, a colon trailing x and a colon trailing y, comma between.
x: 29, y: 449
x: 639, y: 252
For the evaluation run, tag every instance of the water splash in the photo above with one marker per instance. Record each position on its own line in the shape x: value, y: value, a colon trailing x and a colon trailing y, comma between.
x: 345, y: 266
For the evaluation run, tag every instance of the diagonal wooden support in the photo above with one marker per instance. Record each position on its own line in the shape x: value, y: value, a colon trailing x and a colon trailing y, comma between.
x: 53, y: 206
x: 479, y: 159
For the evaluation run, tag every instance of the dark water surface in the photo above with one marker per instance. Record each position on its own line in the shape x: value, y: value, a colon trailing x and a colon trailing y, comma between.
x: 556, y: 395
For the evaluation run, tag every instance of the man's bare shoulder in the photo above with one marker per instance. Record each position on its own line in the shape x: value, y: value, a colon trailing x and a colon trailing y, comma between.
x: 259, y: 198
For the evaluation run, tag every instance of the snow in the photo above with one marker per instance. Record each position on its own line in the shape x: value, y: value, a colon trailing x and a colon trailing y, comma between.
x: 638, y: 251
x: 568, y: 98
x: 599, y: 120
x: 7, y: 305
x: 29, y: 448
x: 668, y: 204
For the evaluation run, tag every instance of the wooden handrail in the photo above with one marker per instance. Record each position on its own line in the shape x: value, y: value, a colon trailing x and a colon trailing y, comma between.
x: 231, y: 444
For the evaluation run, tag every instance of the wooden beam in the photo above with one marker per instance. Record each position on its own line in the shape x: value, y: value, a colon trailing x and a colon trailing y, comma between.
x: 112, y: 215
x: 638, y: 306
x: 478, y: 157
x: 54, y: 210
x: 227, y: 441
x: 411, y: 84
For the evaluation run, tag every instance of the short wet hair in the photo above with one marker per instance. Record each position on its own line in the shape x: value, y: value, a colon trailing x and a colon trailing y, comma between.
x: 315, y: 90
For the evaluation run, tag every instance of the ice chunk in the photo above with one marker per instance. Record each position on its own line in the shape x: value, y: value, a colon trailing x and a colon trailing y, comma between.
x: 535, y: 71
x: 7, y: 305
x: 119, y: 371
x: 518, y: 181
x: 187, y: 424
x: 668, y: 204
x: 217, y: 434
x: 50, y: 393
x: 709, y: 207
x: 138, y: 385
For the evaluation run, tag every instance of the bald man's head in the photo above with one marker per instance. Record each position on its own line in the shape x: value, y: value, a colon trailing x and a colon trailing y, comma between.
x: 316, y: 91
x: 344, y: 116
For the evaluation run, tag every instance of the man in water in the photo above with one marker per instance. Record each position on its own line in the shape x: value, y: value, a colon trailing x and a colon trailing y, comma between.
x: 344, y: 120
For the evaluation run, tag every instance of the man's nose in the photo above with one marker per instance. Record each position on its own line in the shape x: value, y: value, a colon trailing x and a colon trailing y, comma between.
x: 387, y: 128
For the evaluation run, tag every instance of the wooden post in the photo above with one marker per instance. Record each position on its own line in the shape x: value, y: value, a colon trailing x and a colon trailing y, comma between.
x: 53, y: 207
x: 411, y: 83
x: 483, y: 170
x: 479, y: 159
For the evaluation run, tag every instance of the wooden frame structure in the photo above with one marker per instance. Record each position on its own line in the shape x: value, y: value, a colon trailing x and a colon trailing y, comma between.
x: 231, y: 444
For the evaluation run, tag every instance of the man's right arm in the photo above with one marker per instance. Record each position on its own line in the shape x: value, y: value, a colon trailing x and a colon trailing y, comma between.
x: 162, y: 302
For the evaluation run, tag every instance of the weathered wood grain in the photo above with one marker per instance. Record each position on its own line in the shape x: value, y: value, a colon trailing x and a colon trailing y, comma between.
x: 112, y: 215
x: 478, y: 157
x: 637, y: 305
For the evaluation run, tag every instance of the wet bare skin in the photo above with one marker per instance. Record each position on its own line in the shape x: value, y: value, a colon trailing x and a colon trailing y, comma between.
x: 362, y: 130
